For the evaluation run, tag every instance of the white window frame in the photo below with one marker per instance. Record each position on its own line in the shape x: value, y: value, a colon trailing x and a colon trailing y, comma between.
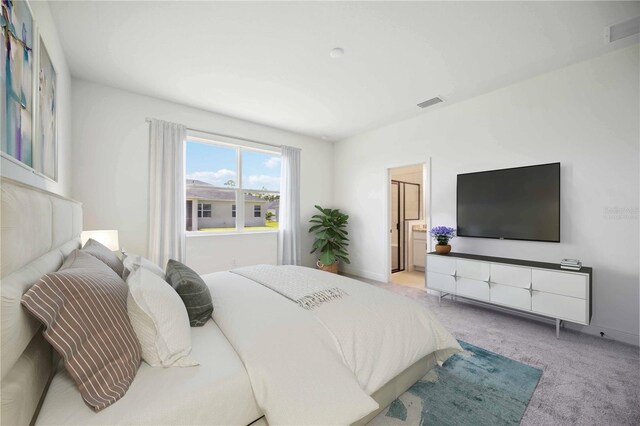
x: 259, y: 210
x: 239, y: 146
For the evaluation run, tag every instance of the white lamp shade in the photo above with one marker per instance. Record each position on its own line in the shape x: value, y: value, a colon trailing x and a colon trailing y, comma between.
x: 108, y: 238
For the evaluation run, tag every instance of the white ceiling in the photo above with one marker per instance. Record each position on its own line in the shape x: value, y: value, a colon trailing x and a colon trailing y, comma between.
x: 268, y: 62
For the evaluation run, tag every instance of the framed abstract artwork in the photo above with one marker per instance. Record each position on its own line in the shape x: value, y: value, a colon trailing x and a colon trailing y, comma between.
x: 17, y: 36
x: 46, y: 129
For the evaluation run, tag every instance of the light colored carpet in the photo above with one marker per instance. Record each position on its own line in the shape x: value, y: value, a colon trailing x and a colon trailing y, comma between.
x: 586, y: 380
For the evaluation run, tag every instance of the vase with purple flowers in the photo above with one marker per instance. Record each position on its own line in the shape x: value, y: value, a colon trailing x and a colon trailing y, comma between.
x: 442, y: 234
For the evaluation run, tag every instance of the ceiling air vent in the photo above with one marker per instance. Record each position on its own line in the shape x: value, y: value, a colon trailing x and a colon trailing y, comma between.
x: 622, y: 30
x: 430, y: 102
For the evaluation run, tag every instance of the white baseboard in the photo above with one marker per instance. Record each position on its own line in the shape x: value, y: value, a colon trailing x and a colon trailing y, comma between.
x: 609, y: 333
x: 364, y: 274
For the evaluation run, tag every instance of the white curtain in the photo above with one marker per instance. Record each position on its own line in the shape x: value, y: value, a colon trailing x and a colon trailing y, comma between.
x: 167, y: 209
x: 289, y: 221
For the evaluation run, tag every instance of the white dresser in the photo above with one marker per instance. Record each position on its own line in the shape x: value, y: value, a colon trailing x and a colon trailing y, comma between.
x: 533, y: 287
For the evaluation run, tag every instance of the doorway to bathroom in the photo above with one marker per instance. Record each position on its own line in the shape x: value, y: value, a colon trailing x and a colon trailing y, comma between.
x: 407, y: 226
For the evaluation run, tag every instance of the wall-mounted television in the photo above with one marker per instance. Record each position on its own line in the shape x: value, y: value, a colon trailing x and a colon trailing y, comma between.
x: 521, y: 203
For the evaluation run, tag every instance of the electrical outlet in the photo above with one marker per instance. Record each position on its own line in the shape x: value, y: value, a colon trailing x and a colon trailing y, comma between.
x: 234, y: 263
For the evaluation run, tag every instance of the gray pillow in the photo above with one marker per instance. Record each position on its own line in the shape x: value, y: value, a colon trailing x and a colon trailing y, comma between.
x: 102, y: 253
x: 192, y: 290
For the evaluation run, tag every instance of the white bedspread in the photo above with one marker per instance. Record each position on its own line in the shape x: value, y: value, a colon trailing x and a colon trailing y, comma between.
x: 320, y: 366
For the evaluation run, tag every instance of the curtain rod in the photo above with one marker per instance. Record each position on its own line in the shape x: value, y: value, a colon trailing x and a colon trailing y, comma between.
x: 148, y: 120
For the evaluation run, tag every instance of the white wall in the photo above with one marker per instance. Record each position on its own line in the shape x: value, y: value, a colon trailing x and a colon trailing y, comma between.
x: 586, y: 116
x: 222, y: 252
x: 45, y: 23
x: 110, y: 170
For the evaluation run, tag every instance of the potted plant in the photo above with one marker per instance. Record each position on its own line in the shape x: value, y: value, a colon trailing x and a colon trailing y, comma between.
x: 331, y: 238
x: 442, y: 234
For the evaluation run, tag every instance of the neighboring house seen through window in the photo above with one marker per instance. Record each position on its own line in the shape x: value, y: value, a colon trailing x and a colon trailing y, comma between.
x: 219, y: 199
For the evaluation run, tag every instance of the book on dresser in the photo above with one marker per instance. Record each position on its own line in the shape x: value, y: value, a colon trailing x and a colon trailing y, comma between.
x: 572, y: 264
x: 538, y: 288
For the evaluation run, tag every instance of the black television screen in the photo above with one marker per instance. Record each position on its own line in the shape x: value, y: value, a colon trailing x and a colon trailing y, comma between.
x: 522, y: 203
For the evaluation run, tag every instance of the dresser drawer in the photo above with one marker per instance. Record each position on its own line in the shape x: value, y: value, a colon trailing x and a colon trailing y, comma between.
x: 564, y: 283
x: 441, y: 282
x: 472, y: 288
x: 473, y: 270
x: 441, y: 264
x: 511, y: 296
x: 515, y: 276
x: 557, y: 306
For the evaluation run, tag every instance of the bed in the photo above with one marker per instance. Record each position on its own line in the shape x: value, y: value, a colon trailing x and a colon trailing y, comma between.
x: 217, y: 392
x: 262, y: 357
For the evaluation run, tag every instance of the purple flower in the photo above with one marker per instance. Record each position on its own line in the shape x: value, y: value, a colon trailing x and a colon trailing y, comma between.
x: 443, y: 234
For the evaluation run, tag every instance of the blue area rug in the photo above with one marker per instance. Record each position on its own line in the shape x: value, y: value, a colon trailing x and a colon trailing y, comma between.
x: 476, y: 387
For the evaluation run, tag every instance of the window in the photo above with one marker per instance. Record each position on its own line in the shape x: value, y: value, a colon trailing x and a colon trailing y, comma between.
x: 204, y: 210
x: 228, y: 200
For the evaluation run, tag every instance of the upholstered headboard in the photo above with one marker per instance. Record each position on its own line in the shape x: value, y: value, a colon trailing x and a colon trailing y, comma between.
x: 38, y: 230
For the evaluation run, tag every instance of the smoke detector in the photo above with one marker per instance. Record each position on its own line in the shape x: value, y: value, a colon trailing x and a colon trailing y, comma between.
x: 336, y: 52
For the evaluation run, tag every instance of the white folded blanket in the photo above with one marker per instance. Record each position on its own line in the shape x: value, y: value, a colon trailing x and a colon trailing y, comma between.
x: 293, y: 283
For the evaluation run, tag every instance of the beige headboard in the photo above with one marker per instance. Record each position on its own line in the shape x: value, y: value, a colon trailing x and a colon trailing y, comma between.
x: 38, y: 230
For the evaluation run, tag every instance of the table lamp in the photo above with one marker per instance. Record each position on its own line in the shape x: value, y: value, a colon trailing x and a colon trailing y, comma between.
x: 108, y: 238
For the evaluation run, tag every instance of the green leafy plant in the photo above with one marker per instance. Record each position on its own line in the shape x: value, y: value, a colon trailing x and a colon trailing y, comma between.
x: 331, y: 236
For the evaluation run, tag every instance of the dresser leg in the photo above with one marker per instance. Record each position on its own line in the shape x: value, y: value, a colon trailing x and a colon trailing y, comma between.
x: 439, y: 298
x: 557, y: 328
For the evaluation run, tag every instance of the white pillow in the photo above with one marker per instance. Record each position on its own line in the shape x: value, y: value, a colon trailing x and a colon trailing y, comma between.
x: 160, y: 321
x: 133, y: 261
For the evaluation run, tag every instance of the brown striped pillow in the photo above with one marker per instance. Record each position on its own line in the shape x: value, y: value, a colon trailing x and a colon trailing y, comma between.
x: 102, y: 252
x: 83, y: 307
